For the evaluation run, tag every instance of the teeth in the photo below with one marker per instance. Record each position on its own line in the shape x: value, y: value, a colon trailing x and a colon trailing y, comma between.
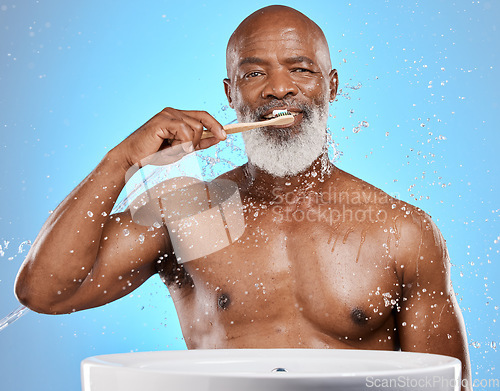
x: 276, y: 113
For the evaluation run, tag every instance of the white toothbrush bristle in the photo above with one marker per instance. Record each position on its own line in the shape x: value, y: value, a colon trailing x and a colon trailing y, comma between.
x: 278, y: 113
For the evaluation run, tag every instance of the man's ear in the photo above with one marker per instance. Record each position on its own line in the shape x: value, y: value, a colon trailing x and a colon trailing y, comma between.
x: 334, y: 84
x: 227, y: 90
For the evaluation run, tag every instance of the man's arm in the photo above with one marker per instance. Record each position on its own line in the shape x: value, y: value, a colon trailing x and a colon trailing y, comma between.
x: 83, y: 257
x: 429, y: 318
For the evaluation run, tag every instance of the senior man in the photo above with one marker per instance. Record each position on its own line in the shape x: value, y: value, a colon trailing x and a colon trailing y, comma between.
x: 325, y: 260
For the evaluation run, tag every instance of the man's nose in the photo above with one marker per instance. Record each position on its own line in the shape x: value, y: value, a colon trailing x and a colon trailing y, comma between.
x: 279, y: 85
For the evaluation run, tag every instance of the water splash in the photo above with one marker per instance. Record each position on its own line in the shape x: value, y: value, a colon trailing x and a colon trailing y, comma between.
x: 204, y: 164
x: 20, y: 249
x: 360, y: 126
x: 13, y: 316
x: 356, y: 87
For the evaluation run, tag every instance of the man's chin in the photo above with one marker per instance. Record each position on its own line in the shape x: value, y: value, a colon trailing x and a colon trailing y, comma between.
x: 280, y: 153
x: 281, y: 134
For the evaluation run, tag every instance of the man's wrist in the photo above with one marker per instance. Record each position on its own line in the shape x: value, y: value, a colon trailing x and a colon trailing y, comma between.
x: 115, y: 161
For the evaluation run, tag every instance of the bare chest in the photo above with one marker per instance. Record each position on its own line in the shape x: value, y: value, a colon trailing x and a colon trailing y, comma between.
x: 336, y: 278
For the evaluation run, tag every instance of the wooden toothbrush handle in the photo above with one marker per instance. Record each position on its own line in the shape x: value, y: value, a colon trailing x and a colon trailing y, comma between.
x: 241, y: 127
x: 234, y: 128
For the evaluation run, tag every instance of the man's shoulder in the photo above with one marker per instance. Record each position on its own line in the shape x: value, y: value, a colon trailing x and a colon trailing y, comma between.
x: 356, y: 190
x: 414, y: 226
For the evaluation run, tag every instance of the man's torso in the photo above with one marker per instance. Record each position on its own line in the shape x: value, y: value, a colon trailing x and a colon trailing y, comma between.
x: 316, y: 272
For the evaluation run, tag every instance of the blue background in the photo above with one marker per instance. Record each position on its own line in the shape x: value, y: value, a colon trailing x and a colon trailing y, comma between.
x: 78, y: 77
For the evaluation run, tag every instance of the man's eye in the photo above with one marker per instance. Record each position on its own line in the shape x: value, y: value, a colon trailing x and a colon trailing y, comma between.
x: 252, y: 74
x: 302, y: 70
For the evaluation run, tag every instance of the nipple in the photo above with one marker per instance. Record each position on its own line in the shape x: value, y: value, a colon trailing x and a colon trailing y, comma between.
x: 223, y: 301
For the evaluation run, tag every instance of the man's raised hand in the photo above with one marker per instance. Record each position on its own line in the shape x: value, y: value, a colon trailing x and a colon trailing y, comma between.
x: 168, y: 136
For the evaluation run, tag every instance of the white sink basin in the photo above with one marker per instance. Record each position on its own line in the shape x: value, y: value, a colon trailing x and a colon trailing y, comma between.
x: 252, y: 369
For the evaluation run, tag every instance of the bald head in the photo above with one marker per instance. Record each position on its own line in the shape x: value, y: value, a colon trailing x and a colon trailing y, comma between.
x: 277, y: 21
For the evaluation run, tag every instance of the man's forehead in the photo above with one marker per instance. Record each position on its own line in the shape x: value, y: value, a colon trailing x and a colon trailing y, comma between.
x: 293, y: 59
x: 285, y: 34
x: 285, y: 38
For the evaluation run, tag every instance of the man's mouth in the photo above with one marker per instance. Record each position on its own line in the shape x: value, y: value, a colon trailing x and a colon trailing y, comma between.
x: 297, y: 118
x: 297, y: 114
x: 273, y: 113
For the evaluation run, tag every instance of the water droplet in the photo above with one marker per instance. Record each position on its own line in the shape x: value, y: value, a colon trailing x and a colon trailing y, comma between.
x: 21, y: 246
x: 89, y: 213
x: 126, y: 232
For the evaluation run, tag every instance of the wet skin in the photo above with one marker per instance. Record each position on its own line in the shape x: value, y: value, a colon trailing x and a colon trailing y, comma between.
x: 346, y: 278
x: 360, y: 271
x: 315, y: 284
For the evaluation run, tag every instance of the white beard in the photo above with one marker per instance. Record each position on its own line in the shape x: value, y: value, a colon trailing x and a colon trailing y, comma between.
x: 287, y: 154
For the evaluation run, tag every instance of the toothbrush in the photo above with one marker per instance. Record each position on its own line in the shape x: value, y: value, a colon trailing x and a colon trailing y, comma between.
x: 281, y: 117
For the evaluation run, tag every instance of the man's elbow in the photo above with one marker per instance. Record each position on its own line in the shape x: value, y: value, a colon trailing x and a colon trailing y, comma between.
x: 27, y: 294
x: 30, y: 300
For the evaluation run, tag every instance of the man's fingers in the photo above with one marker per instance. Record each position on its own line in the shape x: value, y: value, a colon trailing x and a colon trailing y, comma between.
x: 168, y: 128
x: 209, y: 122
x: 186, y: 146
x: 189, y: 125
x: 197, y: 127
x: 166, y: 156
x: 208, y: 142
x: 176, y: 129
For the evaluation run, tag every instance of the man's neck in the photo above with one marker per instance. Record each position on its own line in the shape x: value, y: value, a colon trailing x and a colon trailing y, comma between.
x: 264, y: 186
